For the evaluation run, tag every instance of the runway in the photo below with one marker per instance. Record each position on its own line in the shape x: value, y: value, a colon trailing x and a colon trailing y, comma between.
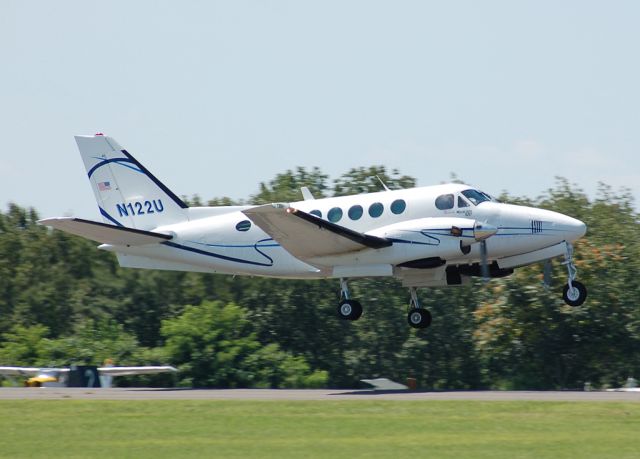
x: 55, y: 393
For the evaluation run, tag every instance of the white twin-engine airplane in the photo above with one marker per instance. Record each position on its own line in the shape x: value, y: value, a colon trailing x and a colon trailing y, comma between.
x: 425, y: 237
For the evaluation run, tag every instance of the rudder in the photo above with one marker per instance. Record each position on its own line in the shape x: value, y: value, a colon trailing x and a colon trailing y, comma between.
x: 127, y: 193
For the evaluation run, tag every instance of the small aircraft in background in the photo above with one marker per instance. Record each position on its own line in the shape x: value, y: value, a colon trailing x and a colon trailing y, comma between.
x: 425, y: 237
x: 78, y: 376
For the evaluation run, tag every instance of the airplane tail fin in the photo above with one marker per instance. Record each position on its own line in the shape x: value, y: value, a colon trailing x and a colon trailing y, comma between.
x: 127, y: 193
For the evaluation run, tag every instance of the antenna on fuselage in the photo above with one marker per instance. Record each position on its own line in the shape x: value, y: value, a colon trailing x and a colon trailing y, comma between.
x: 386, y: 188
x: 306, y: 194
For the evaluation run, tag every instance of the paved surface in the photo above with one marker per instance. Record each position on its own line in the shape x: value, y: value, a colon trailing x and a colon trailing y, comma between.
x: 54, y: 393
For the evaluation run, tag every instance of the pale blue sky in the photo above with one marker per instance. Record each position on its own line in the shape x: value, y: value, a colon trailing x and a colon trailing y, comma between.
x: 214, y: 97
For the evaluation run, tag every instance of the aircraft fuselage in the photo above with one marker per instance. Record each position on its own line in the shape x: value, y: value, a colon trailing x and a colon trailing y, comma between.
x: 228, y: 242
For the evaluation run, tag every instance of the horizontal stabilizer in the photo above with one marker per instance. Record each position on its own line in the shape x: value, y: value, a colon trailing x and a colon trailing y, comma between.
x: 306, y: 236
x: 104, y: 233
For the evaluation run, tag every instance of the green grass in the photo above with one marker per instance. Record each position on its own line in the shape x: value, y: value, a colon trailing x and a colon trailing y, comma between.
x: 349, y: 429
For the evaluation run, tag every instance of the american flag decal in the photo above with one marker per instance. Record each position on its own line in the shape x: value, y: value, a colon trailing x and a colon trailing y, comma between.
x: 104, y: 186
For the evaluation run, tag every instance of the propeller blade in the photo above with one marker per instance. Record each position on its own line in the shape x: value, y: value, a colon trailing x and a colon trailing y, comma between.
x: 484, y: 264
x: 547, y: 273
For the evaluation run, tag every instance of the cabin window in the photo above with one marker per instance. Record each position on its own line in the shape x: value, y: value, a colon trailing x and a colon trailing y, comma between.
x: 398, y: 206
x: 376, y: 209
x: 462, y: 202
x: 355, y: 212
x: 475, y: 196
x: 317, y: 213
x: 244, y: 225
x: 335, y: 214
x: 445, y: 201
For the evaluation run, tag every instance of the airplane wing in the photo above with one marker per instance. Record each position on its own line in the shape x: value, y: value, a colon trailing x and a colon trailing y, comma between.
x: 128, y: 371
x: 19, y: 371
x: 306, y: 236
x: 29, y: 371
x: 105, y: 233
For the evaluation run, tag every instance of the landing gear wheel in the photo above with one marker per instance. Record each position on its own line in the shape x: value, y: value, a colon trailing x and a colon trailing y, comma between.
x: 349, y: 310
x: 574, y: 296
x: 419, y: 318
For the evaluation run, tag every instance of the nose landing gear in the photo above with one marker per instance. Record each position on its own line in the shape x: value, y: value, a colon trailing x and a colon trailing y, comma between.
x: 574, y: 293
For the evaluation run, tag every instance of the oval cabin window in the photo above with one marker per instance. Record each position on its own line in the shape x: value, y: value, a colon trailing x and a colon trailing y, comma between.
x: 244, y: 225
x: 355, y: 212
x: 398, y: 206
x: 376, y: 209
x: 335, y: 214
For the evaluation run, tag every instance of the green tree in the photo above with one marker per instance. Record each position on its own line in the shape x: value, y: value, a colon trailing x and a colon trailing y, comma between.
x: 213, y: 346
x: 270, y: 367
x: 92, y: 343
x: 23, y: 346
x: 209, y: 343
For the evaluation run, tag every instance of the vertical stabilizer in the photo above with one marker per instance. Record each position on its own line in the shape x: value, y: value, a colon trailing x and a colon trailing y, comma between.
x: 127, y: 193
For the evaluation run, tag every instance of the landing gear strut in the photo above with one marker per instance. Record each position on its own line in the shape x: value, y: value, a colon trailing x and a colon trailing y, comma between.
x: 574, y: 293
x: 348, y: 309
x: 417, y: 316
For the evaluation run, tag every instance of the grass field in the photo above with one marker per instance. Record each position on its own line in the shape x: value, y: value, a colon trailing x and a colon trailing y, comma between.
x: 367, y: 429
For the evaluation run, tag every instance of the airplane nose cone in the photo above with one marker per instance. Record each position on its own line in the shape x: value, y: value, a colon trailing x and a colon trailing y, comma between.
x: 564, y: 227
x: 580, y: 229
x: 573, y: 228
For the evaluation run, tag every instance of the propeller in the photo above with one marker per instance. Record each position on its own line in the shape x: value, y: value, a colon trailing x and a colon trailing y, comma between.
x: 482, y: 232
x: 484, y: 264
x: 547, y: 274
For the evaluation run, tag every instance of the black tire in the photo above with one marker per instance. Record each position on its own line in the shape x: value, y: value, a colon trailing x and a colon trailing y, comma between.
x: 575, y: 297
x: 419, y: 318
x: 349, y: 310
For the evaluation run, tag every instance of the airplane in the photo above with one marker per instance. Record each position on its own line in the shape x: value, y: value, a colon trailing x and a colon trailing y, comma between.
x: 61, y: 377
x: 432, y: 236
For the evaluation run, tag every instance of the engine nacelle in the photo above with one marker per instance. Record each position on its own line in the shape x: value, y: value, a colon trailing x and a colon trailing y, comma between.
x: 424, y: 240
x: 422, y: 243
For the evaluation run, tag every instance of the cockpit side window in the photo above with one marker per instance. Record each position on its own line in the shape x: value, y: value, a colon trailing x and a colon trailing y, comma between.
x: 462, y: 202
x: 445, y: 202
x: 489, y: 197
x: 475, y: 196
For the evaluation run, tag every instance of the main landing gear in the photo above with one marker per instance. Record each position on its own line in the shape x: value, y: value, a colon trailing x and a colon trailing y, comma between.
x: 574, y: 293
x: 350, y: 309
x: 417, y: 316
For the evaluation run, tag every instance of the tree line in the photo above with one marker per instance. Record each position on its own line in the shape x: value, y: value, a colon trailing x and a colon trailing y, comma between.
x: 62, y: 301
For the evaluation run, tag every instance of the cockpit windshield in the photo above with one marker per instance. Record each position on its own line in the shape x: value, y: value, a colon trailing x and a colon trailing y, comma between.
x: 476, y: 197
